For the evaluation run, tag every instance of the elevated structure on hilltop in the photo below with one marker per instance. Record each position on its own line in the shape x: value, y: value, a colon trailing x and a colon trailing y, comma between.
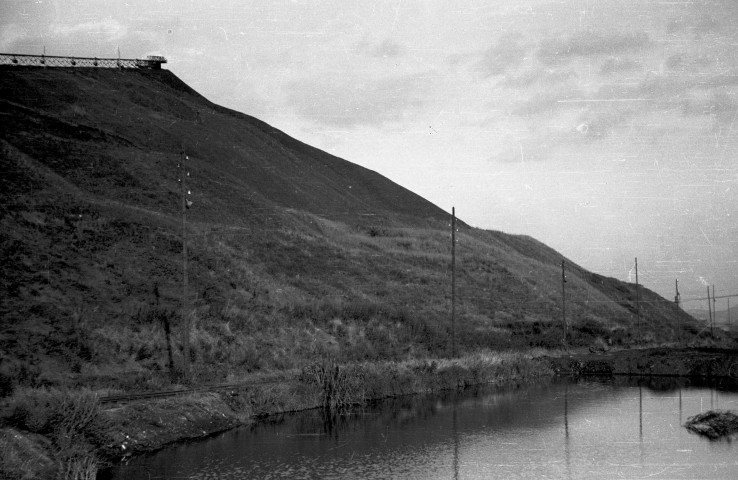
x: 152, y: 61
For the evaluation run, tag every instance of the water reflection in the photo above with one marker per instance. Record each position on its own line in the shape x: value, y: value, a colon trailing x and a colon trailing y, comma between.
x: 567, y: 429
x: 640, y: 413
x: 566, y: 411
x: 456, y: 447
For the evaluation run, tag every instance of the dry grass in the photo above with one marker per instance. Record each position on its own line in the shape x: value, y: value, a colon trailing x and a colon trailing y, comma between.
x: 23, y: 456
x: 340, y: 385
x: 72, y: 421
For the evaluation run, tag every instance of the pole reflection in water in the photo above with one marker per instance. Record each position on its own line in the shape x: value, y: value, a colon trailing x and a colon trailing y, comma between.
x: 567, y: 455
x: 506, y: 433
x: 640, y: 413
x: 566, y: 411
x: 456, y: 446
x: 641, y: 453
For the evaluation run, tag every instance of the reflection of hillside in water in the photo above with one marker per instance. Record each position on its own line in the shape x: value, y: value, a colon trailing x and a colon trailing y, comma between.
x: 500, y: 405
x: 561, y: 428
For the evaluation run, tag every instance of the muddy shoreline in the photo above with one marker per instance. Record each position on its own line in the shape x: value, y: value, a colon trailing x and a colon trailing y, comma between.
x: 149, y: 426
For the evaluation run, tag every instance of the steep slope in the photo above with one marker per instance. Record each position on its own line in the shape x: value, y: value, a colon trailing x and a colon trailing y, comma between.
x: 130, y: 126
x: 293, y: 253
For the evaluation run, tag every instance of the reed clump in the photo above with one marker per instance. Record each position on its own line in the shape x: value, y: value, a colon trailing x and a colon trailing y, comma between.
x: 341, y: 385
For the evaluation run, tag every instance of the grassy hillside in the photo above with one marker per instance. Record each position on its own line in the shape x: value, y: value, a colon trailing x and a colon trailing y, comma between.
x: 294, y: 254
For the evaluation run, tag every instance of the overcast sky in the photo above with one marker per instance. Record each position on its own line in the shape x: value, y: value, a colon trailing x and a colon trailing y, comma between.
x: 606, y: 129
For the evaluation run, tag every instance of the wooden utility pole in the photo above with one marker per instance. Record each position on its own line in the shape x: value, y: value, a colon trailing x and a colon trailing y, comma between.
x: 709, y: 309
x: 676, y: 300
x: 563, y: 302
x: 714, y: 306
x: 183, y: 174
x: 728, y: 313
x: 167, y: 330
x: 677, y: 297
x: 638, y: 302
x: 453, y: 281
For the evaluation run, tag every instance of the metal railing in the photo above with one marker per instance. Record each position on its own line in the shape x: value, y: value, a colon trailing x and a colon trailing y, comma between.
x: 56, y: 61
x: 128, y: 397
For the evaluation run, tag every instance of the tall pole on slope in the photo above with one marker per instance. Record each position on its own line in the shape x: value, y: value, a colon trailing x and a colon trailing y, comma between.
x: 638, y: 302
x: 564, y: 326
x: 709, y: 309
x: 728, y: 299
x: 676, y: 300
x: 183, y: 174
x: 677, y: 297
x: 714, y: 306
x: 453, y: 281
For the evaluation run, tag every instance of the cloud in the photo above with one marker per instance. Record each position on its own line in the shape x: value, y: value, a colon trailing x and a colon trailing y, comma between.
x: 706, y: 24
x: 617, y: 65
x: 107, y: 29
x: 524, y: 151
x: 387, y: 49
x: 721, y: 106
x: 9, y: 35
x: 597, y: 123
x: 675, y: 25
x: 353, y: 102
x: 543, y: 76
x: 670, y: 90
x: 683, y: 63
x: 506, y: 53
x: 547, y: 102
x: 591, y: 43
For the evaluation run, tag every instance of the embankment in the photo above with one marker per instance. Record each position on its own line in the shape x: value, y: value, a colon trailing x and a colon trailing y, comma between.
x: 662, y: 361
x: 145, y: 426
x: 141, y: 427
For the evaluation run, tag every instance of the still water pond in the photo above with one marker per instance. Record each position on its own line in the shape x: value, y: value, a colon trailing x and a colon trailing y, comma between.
x: 563, y: 429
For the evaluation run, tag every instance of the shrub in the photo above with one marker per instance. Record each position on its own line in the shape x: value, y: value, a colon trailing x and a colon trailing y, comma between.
x: 714, y: 424
x: 72, y: 421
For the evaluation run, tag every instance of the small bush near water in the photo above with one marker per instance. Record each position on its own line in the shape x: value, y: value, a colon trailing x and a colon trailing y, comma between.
x: 71, y: 421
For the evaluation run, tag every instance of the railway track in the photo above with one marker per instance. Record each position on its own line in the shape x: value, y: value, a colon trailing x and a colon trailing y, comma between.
x: 123, y: 398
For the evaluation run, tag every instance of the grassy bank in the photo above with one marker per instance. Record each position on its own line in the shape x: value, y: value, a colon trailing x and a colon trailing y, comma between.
x: 50, y: 433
